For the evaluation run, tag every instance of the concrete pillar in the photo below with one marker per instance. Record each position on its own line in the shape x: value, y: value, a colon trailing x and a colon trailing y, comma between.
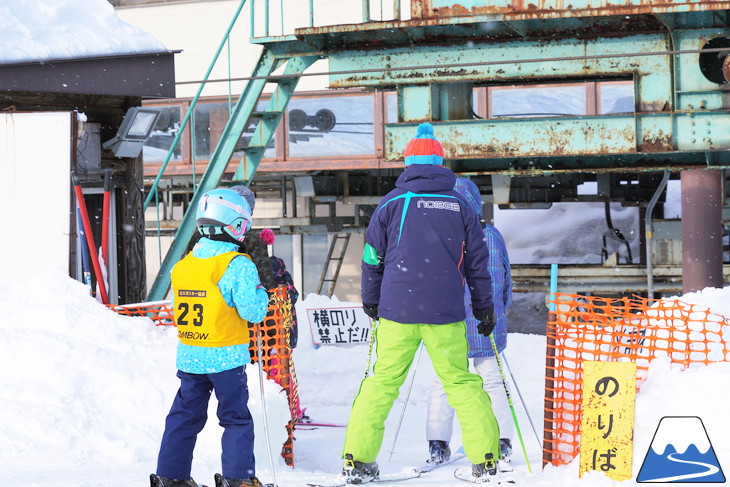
x: 701, y: 230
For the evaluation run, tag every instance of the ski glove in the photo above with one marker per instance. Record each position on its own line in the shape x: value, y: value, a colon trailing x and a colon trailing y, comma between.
x: 487, y: 321
x: 371, y: 311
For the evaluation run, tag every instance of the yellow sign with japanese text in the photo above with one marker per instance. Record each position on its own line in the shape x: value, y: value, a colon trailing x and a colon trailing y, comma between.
x: 607, y: 426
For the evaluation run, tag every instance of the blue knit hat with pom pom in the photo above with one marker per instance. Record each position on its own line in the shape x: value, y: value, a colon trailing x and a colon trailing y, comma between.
x: 424, y: 148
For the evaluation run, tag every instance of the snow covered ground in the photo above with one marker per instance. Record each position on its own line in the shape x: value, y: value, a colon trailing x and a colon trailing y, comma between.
x: 86, y: 391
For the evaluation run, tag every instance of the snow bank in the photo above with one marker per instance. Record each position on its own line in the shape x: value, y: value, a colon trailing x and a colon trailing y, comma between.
x: 83, y: 384
x: 85, y: 394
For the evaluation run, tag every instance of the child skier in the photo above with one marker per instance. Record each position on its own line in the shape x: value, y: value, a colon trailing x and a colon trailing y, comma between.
x: 419, y: 246
x: 216, y: 293
x: 282, y: 277
x: 440, y: 416
x: 255, y: 246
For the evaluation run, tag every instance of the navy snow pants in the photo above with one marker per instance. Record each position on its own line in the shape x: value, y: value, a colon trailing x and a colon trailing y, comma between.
x: 188, y: 415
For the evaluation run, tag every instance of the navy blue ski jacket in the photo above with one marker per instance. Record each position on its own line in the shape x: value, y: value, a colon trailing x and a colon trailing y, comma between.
x: 427, y: 241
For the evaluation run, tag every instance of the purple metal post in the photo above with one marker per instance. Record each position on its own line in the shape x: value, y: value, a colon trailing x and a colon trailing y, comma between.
x: 701, y: 230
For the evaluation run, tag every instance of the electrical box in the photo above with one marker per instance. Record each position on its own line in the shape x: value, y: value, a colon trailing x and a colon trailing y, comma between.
x: 667, y: 242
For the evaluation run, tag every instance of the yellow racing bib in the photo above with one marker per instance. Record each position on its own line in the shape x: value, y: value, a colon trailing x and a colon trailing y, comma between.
x: 202, y: 316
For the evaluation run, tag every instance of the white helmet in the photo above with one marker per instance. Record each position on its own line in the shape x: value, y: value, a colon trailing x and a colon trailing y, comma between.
x: 223, y: 211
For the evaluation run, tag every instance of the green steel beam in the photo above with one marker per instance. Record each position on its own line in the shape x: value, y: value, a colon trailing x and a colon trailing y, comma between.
x: 520, y: 61
x: 218, y: 162
x: 271, y: 117
x: 555, y: 8
x: 593, y: 164
x: 601, y: 135
x: 193, y: 103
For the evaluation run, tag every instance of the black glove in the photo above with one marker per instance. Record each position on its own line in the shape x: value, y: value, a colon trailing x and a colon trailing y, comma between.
x: 371, y: 311
x: 487, y: 321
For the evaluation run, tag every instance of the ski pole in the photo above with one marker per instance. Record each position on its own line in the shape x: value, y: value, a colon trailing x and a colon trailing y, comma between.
x: 259, y: 354
x: 85, y: 265
x: 522, y: 400
x: 373, y: 327
x: 408, y: 394
x: 509, y: 401
x: 89, y: 238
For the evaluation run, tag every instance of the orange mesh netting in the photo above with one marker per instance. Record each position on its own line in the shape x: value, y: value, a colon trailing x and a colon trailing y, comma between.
x: 274, y: 336
x: 274, y: 332
x: 159, y: 312
x: 589, y: 328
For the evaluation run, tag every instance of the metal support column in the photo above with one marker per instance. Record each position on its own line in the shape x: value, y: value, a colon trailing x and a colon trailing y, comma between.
x: 701, y: 230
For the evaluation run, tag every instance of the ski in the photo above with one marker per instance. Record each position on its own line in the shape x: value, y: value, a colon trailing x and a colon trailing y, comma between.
x: 464, y: 474
x: 340, y: 481
x: 156, y: 482
x: 222, y: 482
x: 324, y: 425
x: 433, y: 466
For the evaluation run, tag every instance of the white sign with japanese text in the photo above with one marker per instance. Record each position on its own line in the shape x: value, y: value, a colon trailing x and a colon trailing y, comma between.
x: 341, y: 325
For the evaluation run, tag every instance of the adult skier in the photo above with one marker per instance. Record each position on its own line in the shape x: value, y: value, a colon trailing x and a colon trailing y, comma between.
x: 216, y: 293
x: 440, y: 418
x: 419, y: 246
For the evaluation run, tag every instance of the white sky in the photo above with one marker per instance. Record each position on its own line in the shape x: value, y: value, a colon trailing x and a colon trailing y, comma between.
x: 35, y: 30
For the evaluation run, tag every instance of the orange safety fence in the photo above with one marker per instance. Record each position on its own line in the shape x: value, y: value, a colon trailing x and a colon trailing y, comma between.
x: 274, y: 332
x: 160, y: 312
x: 590, y: 328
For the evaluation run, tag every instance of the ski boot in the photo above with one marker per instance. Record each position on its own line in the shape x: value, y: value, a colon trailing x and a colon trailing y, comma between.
x: 156, y: 481
x: 504, y: 464
x: 439, y: 451
x: 505, y: 449
x: 221, y: 481
x: 485, y: 472
x: 359, y: 472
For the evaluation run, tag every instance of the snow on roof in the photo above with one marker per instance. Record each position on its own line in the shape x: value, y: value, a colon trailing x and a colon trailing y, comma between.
x: 42, y: 30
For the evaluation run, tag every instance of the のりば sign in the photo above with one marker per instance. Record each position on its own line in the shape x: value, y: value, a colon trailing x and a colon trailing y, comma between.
x: 607, y: 426
x: 341, y: 325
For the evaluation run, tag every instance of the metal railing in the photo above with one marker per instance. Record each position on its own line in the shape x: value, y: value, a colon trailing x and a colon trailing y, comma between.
x: 266, y: 14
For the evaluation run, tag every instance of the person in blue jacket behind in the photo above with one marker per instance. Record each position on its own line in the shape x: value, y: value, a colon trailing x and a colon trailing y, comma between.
x: 422, y: 243
x: 216, y: 293
x: 440, y: 417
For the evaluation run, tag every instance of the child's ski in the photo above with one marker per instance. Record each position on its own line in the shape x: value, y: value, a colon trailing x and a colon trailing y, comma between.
x: 502, y: 479
x: 323, y: 425
x: 341, y: 480
x: 222, y: 482
x: 433, y: 466
x: 155, y: 481
x: 307, y: 421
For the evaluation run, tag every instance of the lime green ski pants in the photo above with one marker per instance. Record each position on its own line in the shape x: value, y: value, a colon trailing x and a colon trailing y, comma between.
x: 395, y: 345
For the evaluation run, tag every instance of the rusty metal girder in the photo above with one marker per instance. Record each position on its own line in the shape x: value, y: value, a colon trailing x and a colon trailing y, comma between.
x: 598, y: 135
x: 543, y: 9
x: 634, y: 56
